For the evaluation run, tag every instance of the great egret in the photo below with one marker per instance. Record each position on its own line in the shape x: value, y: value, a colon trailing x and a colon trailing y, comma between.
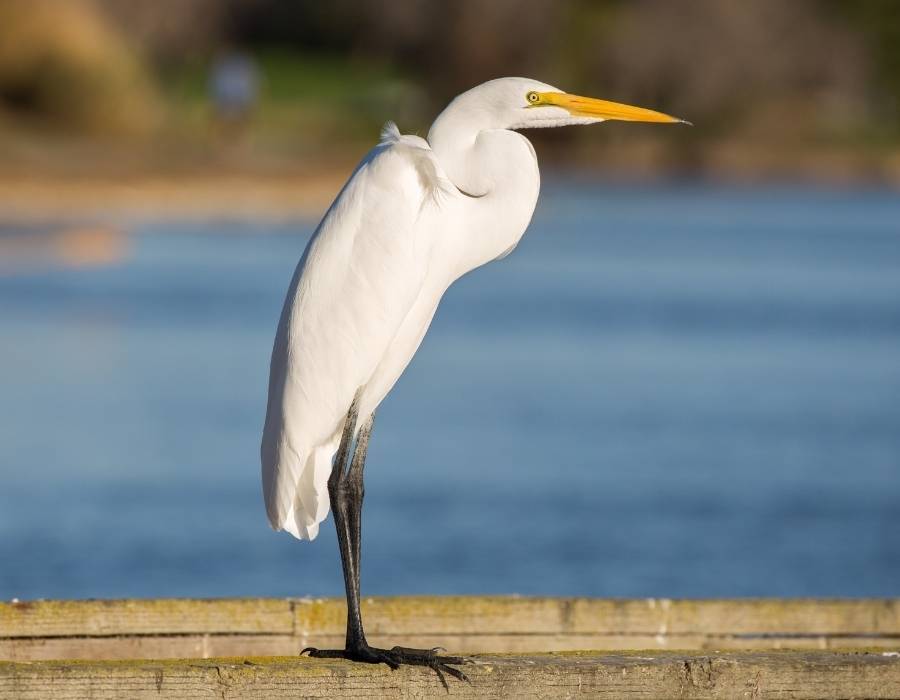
x: 415, y: 216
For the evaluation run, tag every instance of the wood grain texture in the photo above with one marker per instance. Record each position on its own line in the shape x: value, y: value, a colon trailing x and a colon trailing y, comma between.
x: 180, y: 628
x: 821, y: 674
x: 207, y: 646
x: 46, y: 618
x: 457, y: 615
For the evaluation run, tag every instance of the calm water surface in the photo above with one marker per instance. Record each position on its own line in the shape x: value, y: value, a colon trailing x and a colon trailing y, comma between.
x: 679, y: 391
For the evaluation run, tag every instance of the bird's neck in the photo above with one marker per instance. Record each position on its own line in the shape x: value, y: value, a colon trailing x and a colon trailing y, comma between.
x: 478, y: 155
x: 498, y: 169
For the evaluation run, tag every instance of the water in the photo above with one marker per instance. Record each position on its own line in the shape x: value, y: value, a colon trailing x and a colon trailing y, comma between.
x: 674, y: 391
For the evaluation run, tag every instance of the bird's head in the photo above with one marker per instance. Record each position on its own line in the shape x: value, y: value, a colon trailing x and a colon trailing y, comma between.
x: 522, y: 103
x: 470, y: 136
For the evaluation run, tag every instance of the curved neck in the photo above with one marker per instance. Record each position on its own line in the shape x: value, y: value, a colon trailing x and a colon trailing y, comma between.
x: 498, y: 169
x: 463, y: 139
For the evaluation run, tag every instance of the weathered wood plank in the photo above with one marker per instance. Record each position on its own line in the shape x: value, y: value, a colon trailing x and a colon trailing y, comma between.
x: 46, y: 618
x: 821, y: 674
x: 202, y: 646
x: 460, y: 616
x: 206, y: 646
x: 868, y: 616
x: 438, y: 614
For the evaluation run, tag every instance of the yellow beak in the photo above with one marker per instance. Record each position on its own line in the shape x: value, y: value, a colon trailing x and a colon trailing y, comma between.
x: 601, y: 109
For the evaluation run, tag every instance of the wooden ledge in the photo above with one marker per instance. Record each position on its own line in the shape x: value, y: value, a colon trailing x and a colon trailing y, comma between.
x: 726, y: 648
x: 775, y: 674
x: 185, y: 628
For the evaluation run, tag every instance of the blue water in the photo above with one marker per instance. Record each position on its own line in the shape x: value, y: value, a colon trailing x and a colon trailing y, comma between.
x: 665, y: 391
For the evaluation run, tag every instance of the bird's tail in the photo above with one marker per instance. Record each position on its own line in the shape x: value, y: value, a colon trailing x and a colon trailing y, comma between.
x: 299, y: 502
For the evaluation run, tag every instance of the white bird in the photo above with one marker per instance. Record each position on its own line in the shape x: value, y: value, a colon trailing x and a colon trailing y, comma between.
x: 415, y: 216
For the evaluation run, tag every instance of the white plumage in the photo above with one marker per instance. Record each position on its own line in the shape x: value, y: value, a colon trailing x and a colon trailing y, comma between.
x: 356, y: 282
x: 414, y: 217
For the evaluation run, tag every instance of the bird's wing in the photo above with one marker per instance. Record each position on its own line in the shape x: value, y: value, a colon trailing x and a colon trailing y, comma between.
x: 356, y: 281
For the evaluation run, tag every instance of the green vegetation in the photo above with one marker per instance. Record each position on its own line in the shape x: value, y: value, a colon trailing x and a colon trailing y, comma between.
x: 303, y: 98
x: 811, y: 86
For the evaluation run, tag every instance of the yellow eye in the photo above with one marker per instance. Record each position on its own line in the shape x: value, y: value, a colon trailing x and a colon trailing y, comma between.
x: 533, y: 97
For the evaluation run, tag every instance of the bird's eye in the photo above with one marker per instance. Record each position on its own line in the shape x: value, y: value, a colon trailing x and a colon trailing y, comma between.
x: 532, y: 97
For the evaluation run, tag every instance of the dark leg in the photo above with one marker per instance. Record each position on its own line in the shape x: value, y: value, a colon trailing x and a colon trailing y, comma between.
x: 346, y: 491
x: 358, y: 491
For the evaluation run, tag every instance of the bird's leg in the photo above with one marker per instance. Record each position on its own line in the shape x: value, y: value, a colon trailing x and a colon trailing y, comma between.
x: 357, y: 491
x: 346, y: 491
x: 348, y: 494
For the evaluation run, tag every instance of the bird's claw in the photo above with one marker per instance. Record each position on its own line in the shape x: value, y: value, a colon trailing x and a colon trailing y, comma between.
x: 438, y: 663
x: 398, y: 656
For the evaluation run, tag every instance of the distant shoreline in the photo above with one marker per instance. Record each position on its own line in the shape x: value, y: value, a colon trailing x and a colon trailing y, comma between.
x: 51, y: 198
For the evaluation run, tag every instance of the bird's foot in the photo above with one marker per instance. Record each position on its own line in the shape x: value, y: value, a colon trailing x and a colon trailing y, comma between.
x: 396, y: 657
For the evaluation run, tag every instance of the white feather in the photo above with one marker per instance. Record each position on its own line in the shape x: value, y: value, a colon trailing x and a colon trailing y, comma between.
x: 405, y: 226
x: 359, y: 276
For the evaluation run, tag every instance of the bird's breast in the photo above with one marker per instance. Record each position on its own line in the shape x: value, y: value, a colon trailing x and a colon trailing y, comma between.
x: 488, y: 228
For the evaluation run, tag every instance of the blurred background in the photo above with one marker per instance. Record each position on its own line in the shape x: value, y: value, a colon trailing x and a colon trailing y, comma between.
x: 684, y: 382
